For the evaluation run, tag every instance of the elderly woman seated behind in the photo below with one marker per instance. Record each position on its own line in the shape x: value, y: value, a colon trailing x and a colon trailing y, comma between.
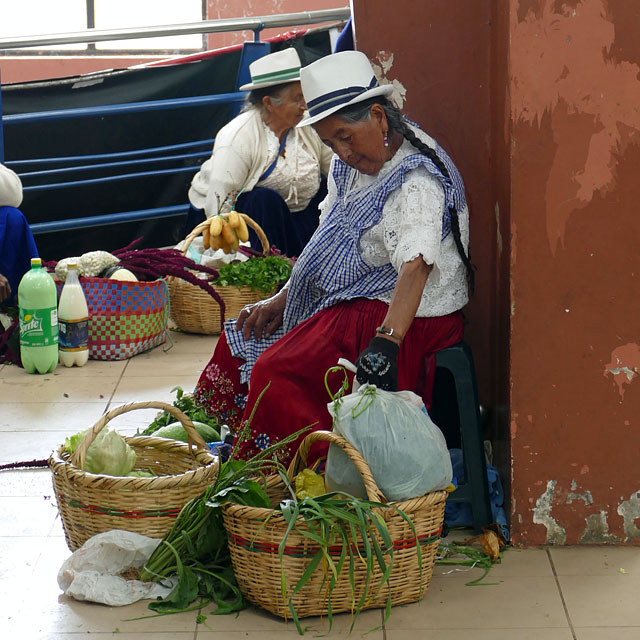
x: 381, y: 282
x: 273, y: 168
x: 17, y: 246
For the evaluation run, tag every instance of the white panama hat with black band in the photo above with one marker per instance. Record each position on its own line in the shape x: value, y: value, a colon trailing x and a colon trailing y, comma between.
x: 336, y: 81
x: 274, y: 68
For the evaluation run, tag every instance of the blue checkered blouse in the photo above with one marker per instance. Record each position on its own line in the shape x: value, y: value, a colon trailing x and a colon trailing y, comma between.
x: 330, y: 269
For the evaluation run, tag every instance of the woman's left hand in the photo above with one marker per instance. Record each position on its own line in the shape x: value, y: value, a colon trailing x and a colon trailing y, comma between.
x: 377, y: 364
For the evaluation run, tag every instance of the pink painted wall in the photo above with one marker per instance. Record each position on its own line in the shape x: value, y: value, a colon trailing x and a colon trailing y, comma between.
x: 575, y: 270
x: 537, y: 101
x: 26, y: 69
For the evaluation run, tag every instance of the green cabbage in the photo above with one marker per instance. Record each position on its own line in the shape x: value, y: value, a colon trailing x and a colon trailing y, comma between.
x: 175, y: 431
x: 109, y: 454
x: 71, y: 442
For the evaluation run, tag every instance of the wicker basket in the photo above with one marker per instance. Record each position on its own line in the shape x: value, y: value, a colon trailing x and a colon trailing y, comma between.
x: 256, y: 564
x: 193, y: 310
x: 91, y: 503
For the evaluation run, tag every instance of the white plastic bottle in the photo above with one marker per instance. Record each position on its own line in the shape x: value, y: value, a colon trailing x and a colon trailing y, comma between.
x: 73, y: 321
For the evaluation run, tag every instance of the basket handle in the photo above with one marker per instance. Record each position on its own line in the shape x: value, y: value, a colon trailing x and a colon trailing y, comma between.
x: 300, y: 460
x: 194, y: 437
x: 197, y: 230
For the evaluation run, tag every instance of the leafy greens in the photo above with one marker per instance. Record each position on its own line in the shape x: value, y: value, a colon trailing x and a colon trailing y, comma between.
x: 187, y: 405
x: 258, y: 273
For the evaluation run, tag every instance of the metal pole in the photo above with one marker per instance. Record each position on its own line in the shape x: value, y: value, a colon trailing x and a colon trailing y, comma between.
x: 206, y: 26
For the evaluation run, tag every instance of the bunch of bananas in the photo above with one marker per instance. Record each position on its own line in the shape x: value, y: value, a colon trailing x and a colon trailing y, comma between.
x: 225, y: 231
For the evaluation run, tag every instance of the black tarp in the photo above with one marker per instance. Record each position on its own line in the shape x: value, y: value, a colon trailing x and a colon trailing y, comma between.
x: 122, y: 132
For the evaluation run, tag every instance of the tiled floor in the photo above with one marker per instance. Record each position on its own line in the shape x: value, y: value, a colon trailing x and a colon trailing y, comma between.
x: 586, y: 593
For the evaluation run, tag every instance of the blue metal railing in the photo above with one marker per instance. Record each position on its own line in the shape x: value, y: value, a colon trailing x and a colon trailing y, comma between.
x: 129, y: 107
x: 109, y: 110
x: 114, y: 165
x: 106, y: 179
x: 118, y: 154
x: 89, y: 161
x: 111, y: 218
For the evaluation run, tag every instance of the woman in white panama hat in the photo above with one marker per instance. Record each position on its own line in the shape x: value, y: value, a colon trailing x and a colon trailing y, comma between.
x: 274, y: 167
x: 382, y: 281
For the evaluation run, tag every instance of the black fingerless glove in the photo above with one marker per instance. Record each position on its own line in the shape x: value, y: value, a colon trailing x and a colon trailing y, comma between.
x: 377, y: 364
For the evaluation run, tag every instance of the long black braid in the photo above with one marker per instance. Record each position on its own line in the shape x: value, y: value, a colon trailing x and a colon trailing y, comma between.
x: 397, y: 122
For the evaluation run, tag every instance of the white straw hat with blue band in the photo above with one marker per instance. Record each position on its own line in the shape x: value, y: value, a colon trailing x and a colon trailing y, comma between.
x: 338, y: 80
x: 274, y: 68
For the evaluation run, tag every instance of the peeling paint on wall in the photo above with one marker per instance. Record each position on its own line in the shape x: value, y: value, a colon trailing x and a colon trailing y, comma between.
x: 589, y: 100
x: 381, y: 65
x: 586, y: 497
x: 624, y: 366
x: 597, y: 530
x: 630, y: 512
x: 542, y: 515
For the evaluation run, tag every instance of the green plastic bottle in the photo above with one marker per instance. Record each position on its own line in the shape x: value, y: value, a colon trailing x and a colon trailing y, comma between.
x: 38, y: 303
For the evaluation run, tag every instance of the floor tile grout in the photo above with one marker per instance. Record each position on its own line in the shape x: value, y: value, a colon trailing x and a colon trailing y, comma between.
x: 564, y: 603
x: 115, y: 388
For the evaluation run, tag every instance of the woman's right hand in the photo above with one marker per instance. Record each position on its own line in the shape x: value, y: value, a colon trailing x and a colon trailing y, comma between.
x: 262, y: 317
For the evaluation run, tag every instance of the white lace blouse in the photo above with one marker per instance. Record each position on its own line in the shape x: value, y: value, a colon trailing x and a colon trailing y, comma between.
x: 411, y: 226
x: 296, y: 176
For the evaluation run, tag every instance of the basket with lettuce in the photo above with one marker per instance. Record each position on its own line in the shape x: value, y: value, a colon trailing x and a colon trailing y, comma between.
x: 103, y: 480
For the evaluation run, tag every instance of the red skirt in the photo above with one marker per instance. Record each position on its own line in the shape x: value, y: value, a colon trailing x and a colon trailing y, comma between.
x: 294, y: 370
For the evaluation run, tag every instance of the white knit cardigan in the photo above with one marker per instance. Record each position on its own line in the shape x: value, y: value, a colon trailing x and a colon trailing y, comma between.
x: 240, y: 157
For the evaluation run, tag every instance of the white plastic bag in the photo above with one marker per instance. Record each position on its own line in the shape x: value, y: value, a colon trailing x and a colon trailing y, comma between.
x: 211, y: 257
x: 406, y: 451
x: 91, y: 572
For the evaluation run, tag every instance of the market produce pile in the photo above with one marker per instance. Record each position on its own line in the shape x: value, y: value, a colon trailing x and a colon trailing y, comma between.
x: 195, y: 553
x: 143, y: 264
x: 196, y: 549
x: 260, y: 273
x: 165, y: 426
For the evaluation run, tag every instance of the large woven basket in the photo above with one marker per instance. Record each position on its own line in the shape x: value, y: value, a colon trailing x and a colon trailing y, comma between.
x: 254, y: 548
x: 193, y: 310
x: 91, y: 503
x: 125, y: 318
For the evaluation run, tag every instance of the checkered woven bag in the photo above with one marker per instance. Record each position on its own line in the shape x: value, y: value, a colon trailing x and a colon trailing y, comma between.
x: 125, y: 318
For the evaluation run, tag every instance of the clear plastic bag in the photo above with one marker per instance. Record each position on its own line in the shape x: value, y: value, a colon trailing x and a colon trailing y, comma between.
x: 92, y: 571
x: 406, y: 451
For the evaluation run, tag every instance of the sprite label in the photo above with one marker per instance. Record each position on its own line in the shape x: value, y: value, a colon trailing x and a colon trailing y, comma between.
x: 38, y: 327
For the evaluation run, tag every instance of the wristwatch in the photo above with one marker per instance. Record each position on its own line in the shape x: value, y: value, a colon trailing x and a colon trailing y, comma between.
x: 388, y: 332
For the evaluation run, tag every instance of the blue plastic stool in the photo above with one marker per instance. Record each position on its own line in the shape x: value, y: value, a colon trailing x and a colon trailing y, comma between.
x: 458, y: 361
